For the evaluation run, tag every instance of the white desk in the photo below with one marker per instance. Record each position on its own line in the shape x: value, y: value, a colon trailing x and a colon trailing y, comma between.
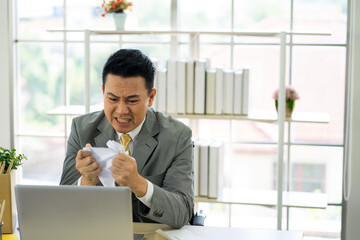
x: 214, y: 233
x: 209, y: 233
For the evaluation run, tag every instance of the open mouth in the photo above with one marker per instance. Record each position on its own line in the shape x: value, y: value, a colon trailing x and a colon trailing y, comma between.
x: 123, y: 121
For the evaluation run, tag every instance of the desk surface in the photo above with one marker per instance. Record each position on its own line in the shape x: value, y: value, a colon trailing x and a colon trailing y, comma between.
x: 212, y: 233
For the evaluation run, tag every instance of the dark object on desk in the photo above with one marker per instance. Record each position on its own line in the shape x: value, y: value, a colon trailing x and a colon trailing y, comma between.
x: 136, y: 236
x: 198, y: 219
x: 1, y: 224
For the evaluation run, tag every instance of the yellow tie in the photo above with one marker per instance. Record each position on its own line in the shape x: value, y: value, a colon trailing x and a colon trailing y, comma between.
x: 125, y: 139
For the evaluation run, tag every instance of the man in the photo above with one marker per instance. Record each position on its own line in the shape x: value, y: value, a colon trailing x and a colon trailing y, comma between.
x: 159, y: 169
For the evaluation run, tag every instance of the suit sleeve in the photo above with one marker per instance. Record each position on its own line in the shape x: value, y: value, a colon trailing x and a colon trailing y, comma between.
x: 69, y: 174
x: 173, y: 203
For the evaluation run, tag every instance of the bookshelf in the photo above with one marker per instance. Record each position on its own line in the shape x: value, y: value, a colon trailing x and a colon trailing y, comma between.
x: 277, y: 198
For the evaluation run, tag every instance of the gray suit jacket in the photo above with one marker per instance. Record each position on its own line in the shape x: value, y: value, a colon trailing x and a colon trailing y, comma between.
x: 163, y: 151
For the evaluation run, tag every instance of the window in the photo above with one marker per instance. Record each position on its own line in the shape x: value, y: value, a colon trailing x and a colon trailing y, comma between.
x: 308, y: 178
x: 50, y: 72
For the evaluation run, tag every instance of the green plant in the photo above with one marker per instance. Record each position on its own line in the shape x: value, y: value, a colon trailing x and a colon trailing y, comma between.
x: 290, y: 96
x: 7, y: 156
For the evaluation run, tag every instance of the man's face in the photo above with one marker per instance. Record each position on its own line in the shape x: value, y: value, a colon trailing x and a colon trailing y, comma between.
x: 126, y: 101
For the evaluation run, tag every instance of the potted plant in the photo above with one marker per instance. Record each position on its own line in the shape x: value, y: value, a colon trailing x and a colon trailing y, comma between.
x: 117, y: 7
x: 290, y: 96
x: 9, y: 161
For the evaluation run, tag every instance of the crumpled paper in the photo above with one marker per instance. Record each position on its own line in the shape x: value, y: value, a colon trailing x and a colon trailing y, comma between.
x: 104, y: 156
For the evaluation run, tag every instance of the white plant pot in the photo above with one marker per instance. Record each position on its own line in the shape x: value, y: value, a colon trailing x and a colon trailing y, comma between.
x: 120, y: 19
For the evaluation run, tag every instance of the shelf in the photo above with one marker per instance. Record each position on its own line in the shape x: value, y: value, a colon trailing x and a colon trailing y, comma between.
x: 73, y: 110
x: 234, y: 32
x: 269, y: 199
x: 265, y: 116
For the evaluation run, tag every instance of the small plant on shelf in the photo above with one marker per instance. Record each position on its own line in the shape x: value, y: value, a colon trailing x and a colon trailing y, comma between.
x: 290, y: 96
x: 115, y: 6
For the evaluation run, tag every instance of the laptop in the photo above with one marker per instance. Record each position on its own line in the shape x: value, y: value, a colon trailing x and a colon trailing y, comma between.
x: 74, y: 213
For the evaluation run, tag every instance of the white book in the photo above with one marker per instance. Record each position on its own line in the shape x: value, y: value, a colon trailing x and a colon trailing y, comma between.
x: 196, y: 169
x: 219, y: 91
x: 203, y: 167
x: 215, y: 157
x: 246, y: 91
x: 210, y: 91
x: 171, y: 87
x: 200, y: 76
x: 238, y: 82
x: 161, y: 92
x: 190, y: 73
x: 181, y: 85
x: 228, y: 91
x: 156, y: 85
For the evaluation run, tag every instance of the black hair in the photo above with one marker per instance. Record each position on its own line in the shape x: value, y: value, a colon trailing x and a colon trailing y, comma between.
x: 130, y: 63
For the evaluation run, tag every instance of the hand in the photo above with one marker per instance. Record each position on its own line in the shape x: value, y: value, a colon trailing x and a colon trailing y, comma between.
x: 124, y: 171
x: 88, y: 168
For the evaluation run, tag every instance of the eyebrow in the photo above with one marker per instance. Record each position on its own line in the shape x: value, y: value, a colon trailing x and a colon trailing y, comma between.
x: 113, y: 95
x: 131, y: 96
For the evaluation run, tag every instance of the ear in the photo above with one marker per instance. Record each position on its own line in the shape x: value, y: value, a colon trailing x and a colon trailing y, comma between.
x: 102, y: 88
x: 152, y: 97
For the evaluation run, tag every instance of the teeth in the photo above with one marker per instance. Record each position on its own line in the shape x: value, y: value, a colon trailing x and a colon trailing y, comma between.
x: 123, y: 120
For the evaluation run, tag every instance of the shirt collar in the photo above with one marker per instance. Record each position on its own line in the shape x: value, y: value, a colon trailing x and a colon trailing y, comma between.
x: 133, y: 133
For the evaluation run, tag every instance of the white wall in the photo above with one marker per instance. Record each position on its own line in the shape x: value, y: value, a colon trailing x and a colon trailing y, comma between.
x: 352, y: 229
x: 6, y: 123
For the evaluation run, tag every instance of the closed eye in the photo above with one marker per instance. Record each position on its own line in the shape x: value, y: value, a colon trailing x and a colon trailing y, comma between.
x: 113, y: 99
x: 133, y: 101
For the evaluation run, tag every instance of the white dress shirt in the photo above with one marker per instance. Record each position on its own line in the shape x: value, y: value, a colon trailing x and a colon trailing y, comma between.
x: 147, y: 198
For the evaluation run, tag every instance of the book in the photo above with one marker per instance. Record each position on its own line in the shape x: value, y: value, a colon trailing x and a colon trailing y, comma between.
x: 246, y: 91
x: 171, y: 97
x: 215, y: 158
x: 196, y: 169
x: 161, y: 92
x: 190, y: 74
x: 180, y: 234
x: 203, y: 167
x: 181, y: 85
x: 10, y: 237
x: 238, y: 92
x: 228, y: 91
x: 210, y: 91
x: 199, y: 90
x: 219, y: 91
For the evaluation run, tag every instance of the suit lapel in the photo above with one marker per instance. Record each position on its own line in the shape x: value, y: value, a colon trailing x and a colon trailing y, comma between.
x: 106, y: 131
x: 145, y: 143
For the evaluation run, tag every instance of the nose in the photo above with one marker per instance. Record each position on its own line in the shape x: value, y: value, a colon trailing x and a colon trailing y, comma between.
x: 122, y: 108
